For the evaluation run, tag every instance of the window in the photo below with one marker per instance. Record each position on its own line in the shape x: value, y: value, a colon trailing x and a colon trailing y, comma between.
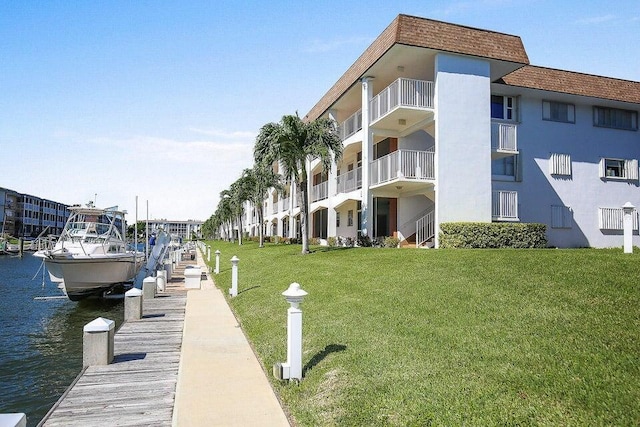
x: 615, y: 118
x: 350, y: 218
x: 619, y: 169
x: 507, y: 168
x: 613, y: 219
x: 558, y: 112
x: 560, y: 164
x: 337, y: 219
x: 561, y: 216
x: 503, y: 107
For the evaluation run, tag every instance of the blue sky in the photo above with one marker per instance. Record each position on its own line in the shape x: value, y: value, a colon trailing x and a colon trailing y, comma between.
x: 163, y: 99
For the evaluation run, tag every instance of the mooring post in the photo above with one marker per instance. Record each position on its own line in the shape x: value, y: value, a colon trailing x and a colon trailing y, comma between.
x: 234, y: 276
x: 161, y: 280
x: 217, y: 270
x: 627, y: 226
x: 97, y: 342
x: 13, y: 420
x: 133, y: 303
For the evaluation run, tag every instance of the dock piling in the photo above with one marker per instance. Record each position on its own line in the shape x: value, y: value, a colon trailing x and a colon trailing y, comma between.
x: 97, y: 342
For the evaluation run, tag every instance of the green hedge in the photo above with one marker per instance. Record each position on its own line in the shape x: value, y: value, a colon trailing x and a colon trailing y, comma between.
x: 492, y: 235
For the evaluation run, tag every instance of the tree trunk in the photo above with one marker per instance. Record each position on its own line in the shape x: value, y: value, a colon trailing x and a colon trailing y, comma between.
x: 260, y: 220
x: 240, y: 230
x: 304, y: 209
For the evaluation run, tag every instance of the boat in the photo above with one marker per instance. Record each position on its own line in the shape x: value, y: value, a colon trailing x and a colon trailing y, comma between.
x: 91, y: 257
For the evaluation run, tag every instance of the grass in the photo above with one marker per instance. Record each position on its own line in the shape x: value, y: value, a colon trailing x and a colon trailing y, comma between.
x: 448, y: 337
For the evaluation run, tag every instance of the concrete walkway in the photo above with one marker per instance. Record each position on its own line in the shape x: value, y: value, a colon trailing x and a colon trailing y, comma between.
x: 220, y: 381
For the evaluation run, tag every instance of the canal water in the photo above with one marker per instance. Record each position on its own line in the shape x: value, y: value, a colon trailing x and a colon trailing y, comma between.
x: 40, y: 339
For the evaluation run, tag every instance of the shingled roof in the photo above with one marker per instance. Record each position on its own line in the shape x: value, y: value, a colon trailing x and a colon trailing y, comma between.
x: 426, y: 33
x: 573, y: 83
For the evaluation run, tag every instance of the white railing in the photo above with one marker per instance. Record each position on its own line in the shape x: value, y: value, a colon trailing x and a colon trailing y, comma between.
x: 352, y: 125
x: 285, y: 204
x: 504, y: 205
x: 401, y: 93
x: 504, y: 137
x: 349, y: 181
x: 613, y: 219
x: 320, y: 191
x: 403, y: 164
x: 425, y: 228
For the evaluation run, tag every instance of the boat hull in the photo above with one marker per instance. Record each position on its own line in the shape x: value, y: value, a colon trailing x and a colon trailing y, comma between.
x: 85, y: 276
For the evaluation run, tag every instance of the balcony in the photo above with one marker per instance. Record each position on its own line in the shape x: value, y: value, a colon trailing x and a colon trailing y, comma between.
x: 352, y: 125
x: 402, y: 104
x: 320, y: 191
x: 349, y: 181
x: 285, y: 204
x: 504, y: 139
x: 504, y: 206
x: 403, y: 165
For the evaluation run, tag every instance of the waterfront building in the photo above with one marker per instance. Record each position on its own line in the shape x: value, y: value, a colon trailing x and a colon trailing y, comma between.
x: 187, y: 230
x: 25, y: 215
x: 445, y: 123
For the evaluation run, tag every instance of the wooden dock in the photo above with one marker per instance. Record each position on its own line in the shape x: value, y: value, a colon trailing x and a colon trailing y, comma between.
x: 138, y: 388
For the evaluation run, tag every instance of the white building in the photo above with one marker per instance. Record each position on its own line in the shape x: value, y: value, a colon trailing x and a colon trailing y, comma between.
x: 446, y: 123
x: 184, y: 229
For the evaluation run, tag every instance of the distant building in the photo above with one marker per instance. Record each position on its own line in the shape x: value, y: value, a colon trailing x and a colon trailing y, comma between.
x: 185, y: 229
x: 25, y: 215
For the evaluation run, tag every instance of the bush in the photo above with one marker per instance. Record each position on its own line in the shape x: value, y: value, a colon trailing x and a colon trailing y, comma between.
x: 364, y: 241
x: 332, y: 241
x: 314, y: 241
x: 391, y: 242
x: 492, y: 235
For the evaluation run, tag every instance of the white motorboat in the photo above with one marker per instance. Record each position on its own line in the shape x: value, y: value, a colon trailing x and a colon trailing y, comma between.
x: 91, y: 255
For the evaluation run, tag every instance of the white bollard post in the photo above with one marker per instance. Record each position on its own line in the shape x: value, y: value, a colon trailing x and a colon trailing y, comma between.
x: 292, y: 368
x: 208, y: 253
x: 168, y: 268
x: 149, y: 287
x: 217, y: 270
x: 13, y: 420
x: 161, y: 280
x: 234, y: 276
x: 627, y: 226
x: 133, y: 304
x: 97, y: 342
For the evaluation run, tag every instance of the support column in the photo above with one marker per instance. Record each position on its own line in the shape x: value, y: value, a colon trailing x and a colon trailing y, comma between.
x: 367, y: 157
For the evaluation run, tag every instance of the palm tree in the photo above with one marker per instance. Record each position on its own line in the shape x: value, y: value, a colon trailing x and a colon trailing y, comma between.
x: 224, y: 214
x: 293, y: 143
x: 259, y: 180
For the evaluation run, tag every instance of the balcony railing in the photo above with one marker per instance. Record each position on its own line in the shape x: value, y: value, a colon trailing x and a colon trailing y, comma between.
x: 401, y: 93
x: 352, y: 125
x: 285, y: 204
x: 403, y: 164
x: 320, y: 191
x: 504, y: 137
x: 349, y: 181
x: 505, y: 206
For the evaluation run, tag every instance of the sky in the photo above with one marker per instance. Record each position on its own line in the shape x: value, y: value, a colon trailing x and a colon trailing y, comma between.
x: 109, y: 101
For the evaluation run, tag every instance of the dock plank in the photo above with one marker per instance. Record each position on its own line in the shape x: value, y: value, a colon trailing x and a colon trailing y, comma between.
x: 138, y: 388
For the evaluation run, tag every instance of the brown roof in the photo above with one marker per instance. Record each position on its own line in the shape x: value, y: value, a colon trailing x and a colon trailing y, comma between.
x: 574, y: 83
x: 426, y: 33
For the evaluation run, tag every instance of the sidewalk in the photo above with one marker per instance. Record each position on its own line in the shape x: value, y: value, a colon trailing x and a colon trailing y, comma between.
x: 220, y: 381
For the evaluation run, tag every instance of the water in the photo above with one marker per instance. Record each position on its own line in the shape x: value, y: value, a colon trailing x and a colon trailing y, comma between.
x: 40, y: 340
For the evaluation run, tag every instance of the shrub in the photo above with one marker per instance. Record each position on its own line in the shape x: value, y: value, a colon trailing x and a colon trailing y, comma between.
x: 391, y: 242
x: 314, y: 241
x: 332, y: 241
x: 364, y: 241
x: 492, y: 235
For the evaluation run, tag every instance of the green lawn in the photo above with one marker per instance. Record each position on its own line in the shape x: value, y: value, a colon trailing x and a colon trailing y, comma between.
x: 448, y: 337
